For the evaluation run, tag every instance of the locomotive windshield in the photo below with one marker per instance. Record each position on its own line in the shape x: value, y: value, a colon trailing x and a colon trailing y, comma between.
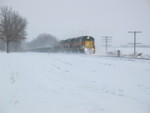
x: 87, y: 38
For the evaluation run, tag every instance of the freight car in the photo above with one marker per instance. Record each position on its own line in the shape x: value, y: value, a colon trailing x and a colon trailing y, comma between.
x: 83, y: 44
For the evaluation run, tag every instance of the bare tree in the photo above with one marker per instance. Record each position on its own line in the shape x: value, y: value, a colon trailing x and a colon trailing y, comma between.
x: 12, y: 26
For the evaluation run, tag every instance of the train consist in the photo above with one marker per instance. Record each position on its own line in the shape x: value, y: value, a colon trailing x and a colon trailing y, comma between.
x: 83, y: 44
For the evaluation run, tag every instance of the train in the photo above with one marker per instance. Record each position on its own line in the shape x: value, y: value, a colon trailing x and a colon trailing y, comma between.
x: 82, y: 44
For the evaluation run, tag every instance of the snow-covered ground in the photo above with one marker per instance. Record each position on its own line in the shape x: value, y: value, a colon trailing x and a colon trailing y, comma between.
x: 73, y: 83
x: 124, y: 51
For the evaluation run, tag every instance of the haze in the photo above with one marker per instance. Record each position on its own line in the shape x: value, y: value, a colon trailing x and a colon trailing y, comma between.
x: 71, y: 18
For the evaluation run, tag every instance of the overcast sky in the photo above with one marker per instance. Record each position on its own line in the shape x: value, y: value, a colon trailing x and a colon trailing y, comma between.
x: 71, y: 18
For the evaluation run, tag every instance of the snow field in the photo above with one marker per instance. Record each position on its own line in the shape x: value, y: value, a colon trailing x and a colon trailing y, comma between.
x: 72, y: 83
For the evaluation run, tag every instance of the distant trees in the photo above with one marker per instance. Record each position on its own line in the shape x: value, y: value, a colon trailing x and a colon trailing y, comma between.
x: 43, y: 40
x: 12, y: 27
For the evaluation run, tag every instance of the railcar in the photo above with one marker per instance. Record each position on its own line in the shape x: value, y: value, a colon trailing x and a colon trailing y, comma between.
x: 83, y: 44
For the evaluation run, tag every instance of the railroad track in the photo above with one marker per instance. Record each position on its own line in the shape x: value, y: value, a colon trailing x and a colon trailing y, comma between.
x: 124, y: 57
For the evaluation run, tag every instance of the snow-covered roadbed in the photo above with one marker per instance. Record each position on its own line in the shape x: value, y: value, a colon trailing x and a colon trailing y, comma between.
x: 72, y: 83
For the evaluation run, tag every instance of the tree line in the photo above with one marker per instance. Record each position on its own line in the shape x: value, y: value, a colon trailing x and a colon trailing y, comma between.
x: 43, y: 40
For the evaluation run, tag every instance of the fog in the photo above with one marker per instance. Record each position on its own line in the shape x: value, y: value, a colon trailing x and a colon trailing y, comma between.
x: 71, y: 18
x: 42, y: 41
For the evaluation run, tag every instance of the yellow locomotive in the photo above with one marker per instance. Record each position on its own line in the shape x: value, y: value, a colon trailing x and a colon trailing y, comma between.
x: 83, y: 44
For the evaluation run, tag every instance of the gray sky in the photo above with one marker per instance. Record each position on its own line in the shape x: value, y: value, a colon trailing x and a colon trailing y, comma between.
x: 71, y: 18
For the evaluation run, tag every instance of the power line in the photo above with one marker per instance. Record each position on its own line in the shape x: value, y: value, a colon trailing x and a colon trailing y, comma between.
x: 135, y: 32
x: 106, y: 39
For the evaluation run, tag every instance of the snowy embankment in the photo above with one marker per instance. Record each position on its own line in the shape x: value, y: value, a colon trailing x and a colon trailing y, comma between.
x: 141, y: 52
x: 61, y: 83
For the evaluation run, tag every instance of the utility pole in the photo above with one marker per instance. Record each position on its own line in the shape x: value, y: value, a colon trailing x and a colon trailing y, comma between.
x: 135, y: 32
x: 106, y: 39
